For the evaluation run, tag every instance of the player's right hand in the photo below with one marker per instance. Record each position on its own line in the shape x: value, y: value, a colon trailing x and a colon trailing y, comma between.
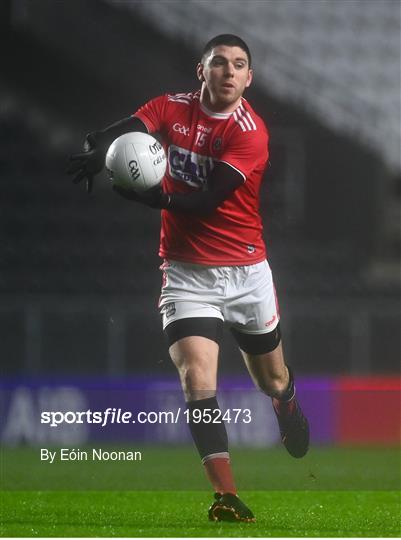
x: 84, y: 165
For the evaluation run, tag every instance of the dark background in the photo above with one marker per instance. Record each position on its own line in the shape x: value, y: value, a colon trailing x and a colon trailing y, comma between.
x: 79, y: 279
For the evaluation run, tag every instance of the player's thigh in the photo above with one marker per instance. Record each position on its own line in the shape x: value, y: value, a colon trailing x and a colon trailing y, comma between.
x: 251, y: 304
x: 264, y: 359
x: 195, y: 352
x: 196, y: 359
x: 194, y: 349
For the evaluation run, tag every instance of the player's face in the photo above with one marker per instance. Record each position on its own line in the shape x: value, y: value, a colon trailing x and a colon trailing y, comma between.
x: 225, y: 74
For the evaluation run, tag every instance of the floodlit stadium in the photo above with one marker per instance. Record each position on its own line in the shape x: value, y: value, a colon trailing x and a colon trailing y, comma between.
x: 93, y: 426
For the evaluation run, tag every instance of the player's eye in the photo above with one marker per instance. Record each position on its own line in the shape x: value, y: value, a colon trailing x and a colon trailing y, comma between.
x: 217, y: 62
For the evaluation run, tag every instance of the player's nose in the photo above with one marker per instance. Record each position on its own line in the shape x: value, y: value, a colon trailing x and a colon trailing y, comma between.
x: 229, y: 72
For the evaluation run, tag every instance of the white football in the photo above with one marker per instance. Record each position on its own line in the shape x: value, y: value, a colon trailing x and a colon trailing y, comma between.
x: 136, y: 161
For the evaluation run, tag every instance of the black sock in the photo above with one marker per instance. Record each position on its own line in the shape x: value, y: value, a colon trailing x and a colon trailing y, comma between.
x: 209, y: 437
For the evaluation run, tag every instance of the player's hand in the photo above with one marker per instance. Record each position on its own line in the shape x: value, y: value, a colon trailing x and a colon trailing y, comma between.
x: 154, y: 197
x: 84, y: 165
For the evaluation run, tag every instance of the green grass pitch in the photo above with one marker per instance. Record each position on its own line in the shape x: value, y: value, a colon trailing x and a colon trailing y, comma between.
x: 330, y: 493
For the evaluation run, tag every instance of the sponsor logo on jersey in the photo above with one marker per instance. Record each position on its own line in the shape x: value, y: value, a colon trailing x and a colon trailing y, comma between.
x: 181, y: 129
x: 189, y: 167
x: 251, y: 248
x: 199, y: 127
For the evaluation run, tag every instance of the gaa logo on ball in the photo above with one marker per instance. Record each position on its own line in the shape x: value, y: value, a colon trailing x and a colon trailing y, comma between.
x: 136, y: 161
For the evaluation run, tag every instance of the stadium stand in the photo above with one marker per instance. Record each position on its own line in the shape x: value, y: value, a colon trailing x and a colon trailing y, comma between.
x: 72, y: 264
x: 338, y: 60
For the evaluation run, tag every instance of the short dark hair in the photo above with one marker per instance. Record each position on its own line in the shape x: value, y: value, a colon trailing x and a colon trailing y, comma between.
x: 231, y: 41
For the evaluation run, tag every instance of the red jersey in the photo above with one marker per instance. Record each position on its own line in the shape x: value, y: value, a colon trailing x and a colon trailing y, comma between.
x: 195, y: 139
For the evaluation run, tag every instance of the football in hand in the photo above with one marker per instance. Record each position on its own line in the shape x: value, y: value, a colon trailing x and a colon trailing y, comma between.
x: 136, y: 161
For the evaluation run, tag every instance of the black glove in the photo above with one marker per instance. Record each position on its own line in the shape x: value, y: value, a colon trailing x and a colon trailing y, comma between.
x: 154, y: 197
x: 89, y: 162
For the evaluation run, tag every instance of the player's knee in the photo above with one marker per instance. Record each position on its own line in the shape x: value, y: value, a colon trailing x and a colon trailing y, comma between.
x: 196, y: 382
x: 273, y: 386
x: 191, y: 376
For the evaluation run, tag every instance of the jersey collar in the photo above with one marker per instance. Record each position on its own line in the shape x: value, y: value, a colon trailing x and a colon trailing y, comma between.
x: 220, y: 116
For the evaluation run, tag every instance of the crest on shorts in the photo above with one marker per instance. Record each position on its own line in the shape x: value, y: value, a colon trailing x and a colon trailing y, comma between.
x: 169, y: 309
x: 217, y: 143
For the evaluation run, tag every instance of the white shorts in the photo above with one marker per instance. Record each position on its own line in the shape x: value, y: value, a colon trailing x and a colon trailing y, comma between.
x: 242, y: 296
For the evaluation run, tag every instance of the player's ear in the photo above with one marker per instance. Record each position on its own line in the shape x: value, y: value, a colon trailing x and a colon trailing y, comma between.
x: 199, y: 72
x: 249, y: 79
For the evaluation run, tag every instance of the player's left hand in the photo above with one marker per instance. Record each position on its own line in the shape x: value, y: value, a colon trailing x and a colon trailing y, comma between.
x: 87, y: 163
x: 154, y: 197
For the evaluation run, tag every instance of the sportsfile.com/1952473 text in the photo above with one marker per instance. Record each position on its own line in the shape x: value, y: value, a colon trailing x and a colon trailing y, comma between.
x: 113, y: 415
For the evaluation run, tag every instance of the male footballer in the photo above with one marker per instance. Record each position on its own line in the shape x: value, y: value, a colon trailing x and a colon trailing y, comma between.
x: 215, y: 269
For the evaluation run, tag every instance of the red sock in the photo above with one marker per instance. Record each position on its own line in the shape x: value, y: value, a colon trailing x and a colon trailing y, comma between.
x: 219, y: 473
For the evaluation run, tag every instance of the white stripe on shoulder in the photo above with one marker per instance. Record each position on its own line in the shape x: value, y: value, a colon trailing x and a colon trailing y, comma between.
x: 176, y: 100
x: 180, y: 98
x: 236, y: 119
x: 244, y: 119
x: 247, y: 118
x: 184, y: 97
x: 251, y: 120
